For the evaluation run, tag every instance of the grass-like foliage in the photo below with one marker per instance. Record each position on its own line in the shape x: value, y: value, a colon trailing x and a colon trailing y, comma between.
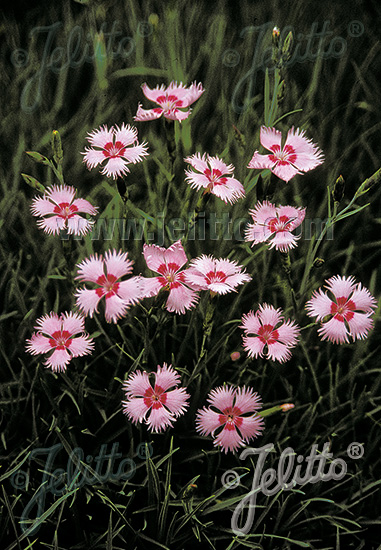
x: 77, y: 473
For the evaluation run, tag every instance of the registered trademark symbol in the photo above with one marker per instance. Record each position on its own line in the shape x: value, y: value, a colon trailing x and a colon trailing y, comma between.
x: 355, y: 450
x: 355, y: 29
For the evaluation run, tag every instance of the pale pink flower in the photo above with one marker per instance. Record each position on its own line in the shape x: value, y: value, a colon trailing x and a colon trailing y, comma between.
x: 158, y: 405
x: 58, y: 333
x: 117, y: 146
x: 106, y: 273
x: 224, y: 419
x: 215, y: 177
x: 170, y: 101
x: 274, y: 224
x: 218, y: 276
x: 298, y: 154
x: 266, y: 328
x: 344, y: 312
x: 168, y: 263
x: 59, y: 210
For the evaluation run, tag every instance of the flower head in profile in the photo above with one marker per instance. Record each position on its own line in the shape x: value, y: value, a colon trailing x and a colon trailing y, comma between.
x: 344, y: 311
x: 170, y: 101
x: 274, y: 225
x: 216, y: 177
x: 158, y: 404
x: 106, y: 273
x: 59, y: 334
x: 60, y: 210
x: 114, y: 149
x: 298, y: 154
x: 218, y: 276
x: 231, y: 417
x: 167, y: 262
x: 266, y: 331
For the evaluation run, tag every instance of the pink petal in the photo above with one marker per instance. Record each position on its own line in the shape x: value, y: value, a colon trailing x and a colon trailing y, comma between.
x: 41, y: 206
x: 91, y: 269
x: 279, y: 352
x: 308, y: 154
x: 52, y: 225
x: 334, y: 331
x: 251, y: 427
x: 38, y: 344
x: 247, y: 400
x: 150, y: 286
x: 147, y: 114
x: 93, y: 157
x: 85, y: 206
x: 136, y: 153
x: 221, y: 397
x: 117, y: 263
x: 288, y: 333
x: 154, y: 93
x: 73, y: 323
x: 154, y: 256
x: 285, y: 171
x: 78, y: 225
x: 175, y: 254
x: 253, y: 346
x: 195, y: 279
x: 135, y: 409
x: 126, y: 134
x: 319, y: 305
x: 229, y: 440
x: 177, y: 115
x: 229, y: 192
x: 198, y: 162
x: 180, y: 299
x: 137, y: 384
x: 263, y: 213
x: 115, y: 167
x: 62, y: 193
x: 363, y: 299
x: 207, y: 421
x: 131, y: 290
x: 82, y: 345
x: 159, y: 419
x: 100, y: 137
x: 260, y: 161
x: 193, y: 93
x: 283, y: 241
x: 115, y: 308
x: 87, y: 300
x: 360, y: 325
x: 176, y: 401
x: 48, y: 324
x: 270, y: 137
x: 268, y: 315
x: 256, y: 233
x: 58, y: 360
x: 295, y: 214
x: 341, y: 287
x: 166, y: 377
x: 196, y: 181
x: 251, y: 323
x: 217, y: 164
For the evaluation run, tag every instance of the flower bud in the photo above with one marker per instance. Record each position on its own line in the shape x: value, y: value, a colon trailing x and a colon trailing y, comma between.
x: 338, y: 189
x: 319, y: 262
x: 32, y: 182
x: 287, y: 406
x: 235, y: 355
x: 57, y: 147
x: 275, y: 37
x: 287, y: 47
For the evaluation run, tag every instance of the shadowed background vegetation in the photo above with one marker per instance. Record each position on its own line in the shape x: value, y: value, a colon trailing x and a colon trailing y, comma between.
x: 175, y: 499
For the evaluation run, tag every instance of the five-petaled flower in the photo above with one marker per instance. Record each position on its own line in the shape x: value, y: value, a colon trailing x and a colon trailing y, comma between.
x: 274, y: 224
x: 266, y: 328
x: 117, y: 146
x: 59, y: 210
x: 168, y: 263
x: 170, y: 101
x: 218, y: 276
x: 214, y: 176
x: 158, y: 405
x: 58, y: 333
x: 106, y: 273
x: 298, y: 154
x: 345, y: 312
x: 228, y: 417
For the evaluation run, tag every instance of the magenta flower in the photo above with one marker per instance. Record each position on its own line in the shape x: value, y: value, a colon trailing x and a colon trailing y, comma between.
x: 168, y: 263
x: 58, y: 334
x: 274, y: 224
x: 59, y: 210
x: 106, y: 274
x: 218, y: 276
x: 215, y: 177
x: 158, y: 405
x: 346, y: 313
x: 267, y: 329
x: 224, y: 417
x: 298, y: 155
x: 170, y: 101
x: 117, y: 146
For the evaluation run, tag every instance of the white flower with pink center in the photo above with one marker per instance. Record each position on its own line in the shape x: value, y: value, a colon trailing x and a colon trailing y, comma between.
x: 60, y: 210
x: 106, y: 274
x: 274, y: 224
x: 116, y: 148
x: 59, y: 334
x: 231, y: 417
x: 266, y: 332
x: 160, y: 404
x: 298, y: 154
x: 168, y: 263
x: 218, y: 276
x: 215, y: 177
x: 170, y: 100
x: 344, y: 312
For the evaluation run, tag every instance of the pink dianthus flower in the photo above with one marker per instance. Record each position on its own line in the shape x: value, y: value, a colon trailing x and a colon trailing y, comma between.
x: 298, y: 154
x: 274, y: 224
x: 218, y: 276
x: 215, y: 177
x: 59, y: 210
x: 227, y: 418
x: 117, y: 146
x: 158, y: 405
x: 345, y: 312
x: 168, y: 263
x: 106, y: 274
x: 58, y: 333
x: 266, y: 328
x: 170, y: 101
